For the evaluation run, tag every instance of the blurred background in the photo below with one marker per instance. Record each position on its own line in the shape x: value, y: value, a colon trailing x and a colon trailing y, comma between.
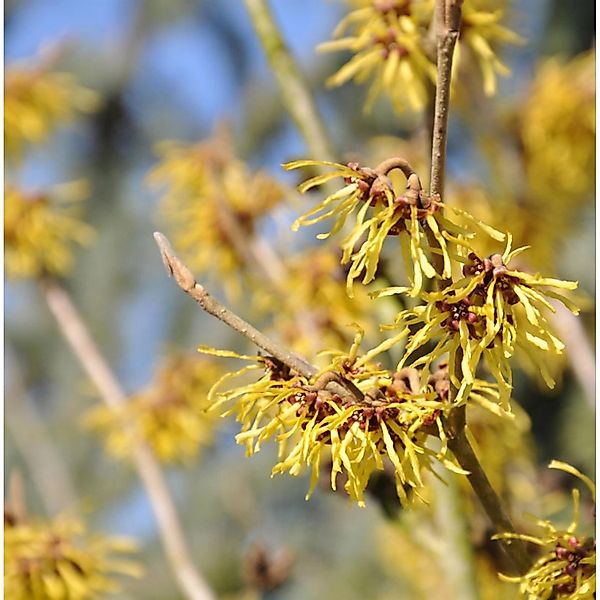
x: 178, y: 70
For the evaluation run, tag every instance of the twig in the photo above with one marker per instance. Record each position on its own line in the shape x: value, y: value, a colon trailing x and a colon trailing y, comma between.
x: 186, y: 281
x: 296, y: 95
x: 447, y: 23
x: 74, y: 330
x: 448, y: 16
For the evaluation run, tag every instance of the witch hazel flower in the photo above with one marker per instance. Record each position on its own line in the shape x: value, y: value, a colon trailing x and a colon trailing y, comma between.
x: 379, y: 212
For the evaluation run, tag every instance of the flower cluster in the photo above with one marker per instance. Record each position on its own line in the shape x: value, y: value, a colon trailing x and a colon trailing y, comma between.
x: 171, y: 415
x: 36, y: 100
x: 557, y: 132
x: 480, y: 31
x: 387, y: 40
x: 567, y: 569
x: 40, y: 229
x: 61, y: 561
x: 349, y: 419
x: 392, y: 46
x: 492, y: 313
x: 318, y: 314
x: 212, y: 203
x: 408, y: 216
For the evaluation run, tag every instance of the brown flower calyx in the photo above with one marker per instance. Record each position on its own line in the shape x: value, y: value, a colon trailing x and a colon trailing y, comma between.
x: 459, y: 311
x: 493, y: 268
x: 440, y: 381
x: 276, y: 369
x: 573, y: 552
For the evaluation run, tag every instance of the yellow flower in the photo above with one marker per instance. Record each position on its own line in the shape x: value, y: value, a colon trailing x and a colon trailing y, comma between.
x: 40, y: 229
x: 490, y: 313
x: 557, y: 131
x: 387, y: 41
x: 393, y: 215
x: 567, y: 568
x: 321, y: 423
x: 171, y: 415
x: 59, y: 560
x: 212, y: 203
x: 514, y: 307
x: 480, y: 31
x: 36, y: 101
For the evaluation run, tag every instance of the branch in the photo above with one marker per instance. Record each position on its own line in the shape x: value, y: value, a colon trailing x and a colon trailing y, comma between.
x: 296, y: 95
x: 71, y: 324
x: 185, y: 280
x: 463, y: 451
x: 447, y: 24
x: 448, y: 16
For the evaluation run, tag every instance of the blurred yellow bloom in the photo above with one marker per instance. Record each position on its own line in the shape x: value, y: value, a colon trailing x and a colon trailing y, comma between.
x: 171, y: 415
x: 387, y: 38
x: 41, y: 228
x: 59, y: 560
x: 36, y: 101
x: 401, y: 215
x: 480, y: 31
x: 318, y: 422
x: 567, y: 568
x: 557, y: 130
x: 212, y: 204
x: 318, y: 313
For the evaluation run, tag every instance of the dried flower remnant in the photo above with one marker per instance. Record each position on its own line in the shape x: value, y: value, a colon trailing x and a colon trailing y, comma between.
x: 265, y: 570
x: 567, y: 569
x: 171, y: 415
x: 60, y: 560
x: 387, y: 39
x: 36, y: 101
x: 404, y: 215
x: 320, y: 421
x: 212, y: 202
x: 40, y: 229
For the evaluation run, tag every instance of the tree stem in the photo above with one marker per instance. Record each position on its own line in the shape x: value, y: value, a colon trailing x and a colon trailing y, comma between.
x: 447, y: 24
x: 72, y: 326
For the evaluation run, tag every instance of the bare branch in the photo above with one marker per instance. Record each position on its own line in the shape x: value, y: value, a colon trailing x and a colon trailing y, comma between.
x: 71, y: 324
x: 447, y: 25
x: 185, y: 280
x: 212, y: 306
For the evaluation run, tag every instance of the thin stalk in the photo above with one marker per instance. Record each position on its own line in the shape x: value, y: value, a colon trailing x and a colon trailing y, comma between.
x: 296, y: 95
x: 448, y: 15
x: 186, y: 281
x: 72, y: 326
